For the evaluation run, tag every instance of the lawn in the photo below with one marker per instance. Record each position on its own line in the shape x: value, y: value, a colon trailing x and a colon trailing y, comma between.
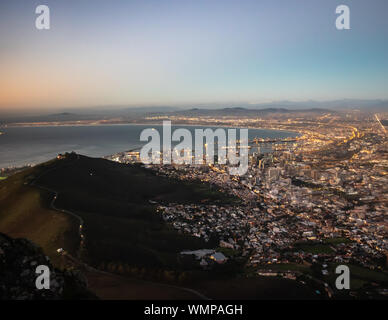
x: 286, y: 267
x: 316, y: 248
x: 336, y: 241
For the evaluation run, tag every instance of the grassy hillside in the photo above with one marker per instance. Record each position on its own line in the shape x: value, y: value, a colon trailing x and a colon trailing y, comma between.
x: 120, y: 224
x: 24, y: 213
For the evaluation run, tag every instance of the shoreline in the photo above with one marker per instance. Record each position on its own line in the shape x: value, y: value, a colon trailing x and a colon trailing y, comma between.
x: 31, y: 125
x: 33, y: 163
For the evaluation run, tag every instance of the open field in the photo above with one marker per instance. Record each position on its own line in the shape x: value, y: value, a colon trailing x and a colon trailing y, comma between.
x: 316, y: 248
x: 336, y: 241
x: 287, y: 267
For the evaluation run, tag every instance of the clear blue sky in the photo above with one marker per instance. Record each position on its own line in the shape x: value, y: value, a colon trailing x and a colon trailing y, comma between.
x: 171, y: 52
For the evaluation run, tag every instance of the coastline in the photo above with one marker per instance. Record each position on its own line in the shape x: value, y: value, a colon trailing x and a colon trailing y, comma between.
x: 32, y: 125
x: 31, y: 161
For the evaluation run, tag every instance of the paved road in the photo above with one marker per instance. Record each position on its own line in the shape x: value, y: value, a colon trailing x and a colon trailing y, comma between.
x: 378, y: 120
x: 52, y: 203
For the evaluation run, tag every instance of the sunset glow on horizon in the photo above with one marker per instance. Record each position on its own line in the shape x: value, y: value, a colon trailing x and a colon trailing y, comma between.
x: 105, y: 53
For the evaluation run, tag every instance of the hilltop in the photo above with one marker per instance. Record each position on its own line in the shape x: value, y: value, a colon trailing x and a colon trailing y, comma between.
x: 114, y: 201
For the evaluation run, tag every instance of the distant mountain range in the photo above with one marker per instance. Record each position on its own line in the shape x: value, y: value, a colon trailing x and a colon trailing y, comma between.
x: 135, y: 112
x: 239, y: 111
x: 343, y: 104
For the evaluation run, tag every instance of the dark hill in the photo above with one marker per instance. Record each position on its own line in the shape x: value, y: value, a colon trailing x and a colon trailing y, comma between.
x: 120, y: 223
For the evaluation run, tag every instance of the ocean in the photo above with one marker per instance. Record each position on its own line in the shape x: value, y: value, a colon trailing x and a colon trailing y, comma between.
x: 32, y: 145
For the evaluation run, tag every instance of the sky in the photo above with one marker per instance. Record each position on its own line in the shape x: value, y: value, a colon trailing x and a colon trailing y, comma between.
x: 165, y: 52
